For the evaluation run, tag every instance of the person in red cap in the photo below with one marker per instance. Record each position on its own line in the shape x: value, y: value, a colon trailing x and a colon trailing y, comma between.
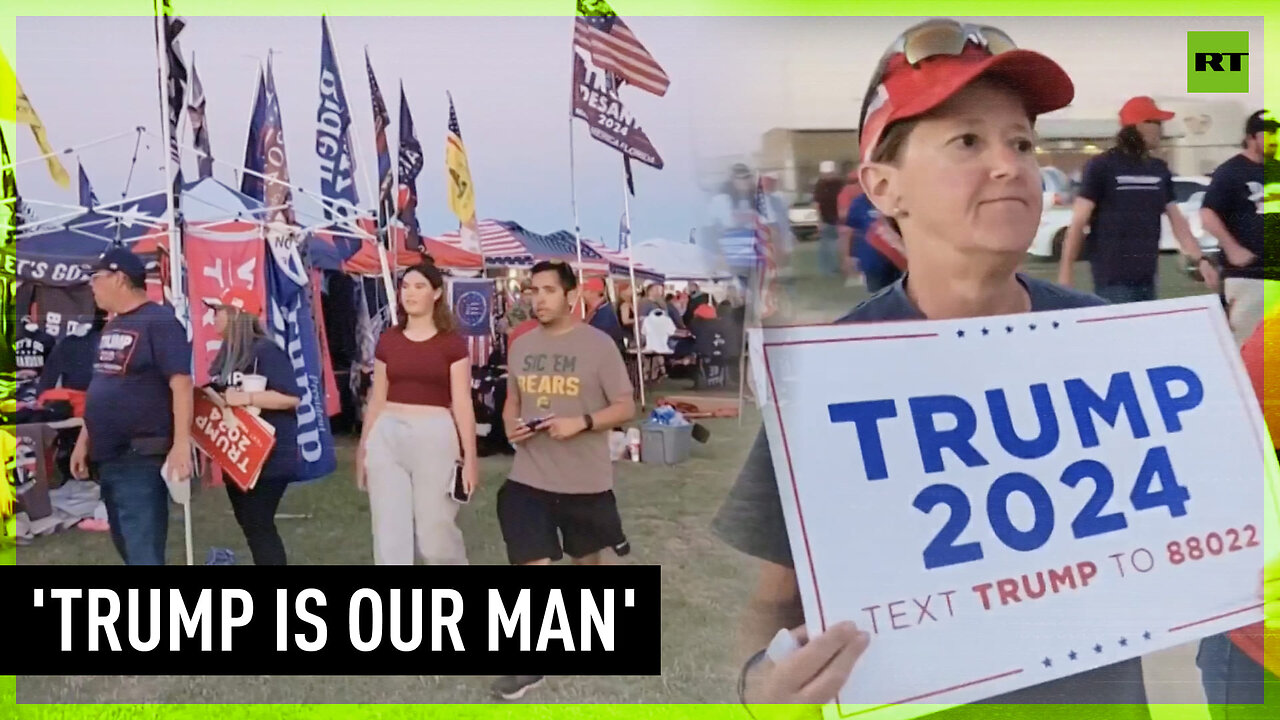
x: 600, y: 312
x: 1123, y: 194
x: 948, y: 157
x: 246, y: 351
x: 1237, y: 209
x: 138, y: 409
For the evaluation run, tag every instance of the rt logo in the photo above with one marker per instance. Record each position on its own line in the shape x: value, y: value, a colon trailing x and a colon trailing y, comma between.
x: 1217, y: 62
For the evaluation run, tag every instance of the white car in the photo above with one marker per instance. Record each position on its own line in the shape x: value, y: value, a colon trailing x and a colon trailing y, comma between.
x: 1188, y: 192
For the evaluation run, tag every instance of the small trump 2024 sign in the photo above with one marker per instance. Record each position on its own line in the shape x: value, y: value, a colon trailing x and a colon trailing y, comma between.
x: 233, y: 438
x: 1007, y: 501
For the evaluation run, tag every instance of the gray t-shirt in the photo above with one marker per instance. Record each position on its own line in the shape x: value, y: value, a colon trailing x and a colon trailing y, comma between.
x: 751, y: 520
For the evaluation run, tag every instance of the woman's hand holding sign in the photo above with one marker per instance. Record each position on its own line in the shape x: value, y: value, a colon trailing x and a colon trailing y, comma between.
x: 807, y: 677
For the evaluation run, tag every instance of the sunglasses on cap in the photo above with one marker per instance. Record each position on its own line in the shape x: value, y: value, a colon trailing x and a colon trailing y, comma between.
x: 933, y: 38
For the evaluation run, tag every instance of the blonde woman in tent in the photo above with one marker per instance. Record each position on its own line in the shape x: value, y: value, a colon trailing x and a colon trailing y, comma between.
x: 246, y: 352
x: 417, y: 456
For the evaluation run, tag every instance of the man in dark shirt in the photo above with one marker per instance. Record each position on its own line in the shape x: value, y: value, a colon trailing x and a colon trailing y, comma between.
x: 1233, y: 211
x: 752, y: 521
x: 1123, y: 194
x: 138, y: 409
x: 826, y: 197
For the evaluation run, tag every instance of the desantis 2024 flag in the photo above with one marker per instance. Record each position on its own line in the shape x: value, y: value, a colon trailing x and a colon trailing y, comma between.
x: 596, y: 103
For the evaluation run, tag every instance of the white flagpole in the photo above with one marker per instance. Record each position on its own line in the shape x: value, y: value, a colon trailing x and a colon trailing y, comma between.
x: 573, y: 186
x: 175, y: 249
x: 354, y: 138
x: 635, y: 305
x: 71, y: 150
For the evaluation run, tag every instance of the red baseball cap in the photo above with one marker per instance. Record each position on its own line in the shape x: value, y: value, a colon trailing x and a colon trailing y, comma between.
x: 242, y: 300
x: 593, y: 284
x: 1142, y: 109
x: 906, y: 91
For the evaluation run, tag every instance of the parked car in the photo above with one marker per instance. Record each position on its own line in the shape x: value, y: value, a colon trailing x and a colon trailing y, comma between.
x: 804, y: 217
x: 1188, y: 193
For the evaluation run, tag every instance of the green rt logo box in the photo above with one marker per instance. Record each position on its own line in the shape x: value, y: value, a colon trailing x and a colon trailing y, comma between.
x: 1217, y: 62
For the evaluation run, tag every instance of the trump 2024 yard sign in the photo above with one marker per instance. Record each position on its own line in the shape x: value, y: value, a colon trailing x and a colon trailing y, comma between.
x: 1006, y: 501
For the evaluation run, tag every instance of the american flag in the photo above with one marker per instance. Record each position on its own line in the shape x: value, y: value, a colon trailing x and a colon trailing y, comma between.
x: 599, y: 32
x: 767, y: 298
x: 478, y: 349
x: 380, y: 122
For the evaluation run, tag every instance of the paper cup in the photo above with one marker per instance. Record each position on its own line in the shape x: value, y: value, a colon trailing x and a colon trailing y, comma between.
x: 254, y: 384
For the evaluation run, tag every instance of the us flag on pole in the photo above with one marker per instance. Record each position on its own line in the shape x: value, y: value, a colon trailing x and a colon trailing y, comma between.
x: 766, y: 297
x: 612, y: 47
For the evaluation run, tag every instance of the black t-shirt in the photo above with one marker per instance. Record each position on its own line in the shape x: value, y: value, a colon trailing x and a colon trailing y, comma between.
x: 1130, y: 196
x: 272, y: 363
x: 129, y: 396
x: 1235, y: 193
x: 751, y: 520
x: 32, y: 349
x: 826, y: 193
x: 71, y: 362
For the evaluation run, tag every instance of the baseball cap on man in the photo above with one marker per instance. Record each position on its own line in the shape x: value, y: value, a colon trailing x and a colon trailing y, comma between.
x: 122, y: 260
x: 827, y: 166
x: 242, y: 300
x: 1142, y: 109
x: 1260, y: 121
x: 934, y: 60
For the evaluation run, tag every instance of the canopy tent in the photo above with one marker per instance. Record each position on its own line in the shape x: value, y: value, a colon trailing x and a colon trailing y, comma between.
x: 498, y: 244
x: 620, y: 262
x: 679, y: 261
x: 356, y: 252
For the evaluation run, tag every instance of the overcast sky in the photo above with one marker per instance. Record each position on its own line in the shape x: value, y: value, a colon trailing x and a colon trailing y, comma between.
x: 732, y: 79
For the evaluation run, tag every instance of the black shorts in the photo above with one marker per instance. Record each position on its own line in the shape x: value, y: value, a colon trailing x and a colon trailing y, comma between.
x: 534, y: 522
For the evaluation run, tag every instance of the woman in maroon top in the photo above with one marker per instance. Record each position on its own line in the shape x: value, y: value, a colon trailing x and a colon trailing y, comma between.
x: 419, y: 413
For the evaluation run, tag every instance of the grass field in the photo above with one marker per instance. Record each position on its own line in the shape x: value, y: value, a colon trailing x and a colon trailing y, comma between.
x: 666, y: 512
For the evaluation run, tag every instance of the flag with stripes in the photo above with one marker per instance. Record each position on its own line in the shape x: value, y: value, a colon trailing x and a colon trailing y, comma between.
x: 254, y: 156
x: 199, y: 122
x: 381, y: 120
x: 472, y: 301
x: 462, y: 192
x: 766, y: 300
x: 611, y: 45
x: 176, y: 91
x: 410, y: 163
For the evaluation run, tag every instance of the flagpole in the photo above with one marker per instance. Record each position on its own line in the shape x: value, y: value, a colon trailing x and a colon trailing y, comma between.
x: 635, y: 304
x: 175, y: 250
x: 573, y: 186
x: 354, y: 137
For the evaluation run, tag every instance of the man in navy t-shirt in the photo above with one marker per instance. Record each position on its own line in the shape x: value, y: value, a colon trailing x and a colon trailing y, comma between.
x: 878, y: 270
x: 137, y: 410
x: 1233, y: 210
x: 1123, y: 194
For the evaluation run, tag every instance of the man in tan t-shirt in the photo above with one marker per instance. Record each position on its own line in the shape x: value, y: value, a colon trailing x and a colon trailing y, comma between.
x: 567, y: 388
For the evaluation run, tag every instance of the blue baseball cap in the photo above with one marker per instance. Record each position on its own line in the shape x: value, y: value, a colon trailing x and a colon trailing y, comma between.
x: 122, y: 260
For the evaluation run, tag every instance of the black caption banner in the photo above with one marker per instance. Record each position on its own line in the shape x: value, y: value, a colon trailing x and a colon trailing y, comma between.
x: 337, y: 620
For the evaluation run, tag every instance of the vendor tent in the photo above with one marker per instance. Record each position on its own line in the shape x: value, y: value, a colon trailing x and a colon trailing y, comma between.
x: 679, y: 261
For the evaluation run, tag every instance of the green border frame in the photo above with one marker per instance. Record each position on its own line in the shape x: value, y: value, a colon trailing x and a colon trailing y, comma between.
x: 193, y: 8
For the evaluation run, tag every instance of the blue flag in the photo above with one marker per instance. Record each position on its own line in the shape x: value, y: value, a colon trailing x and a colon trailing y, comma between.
x: 87, y: 197
x: 333, y: 138
x: 255, y: 156
x: 292, y: 327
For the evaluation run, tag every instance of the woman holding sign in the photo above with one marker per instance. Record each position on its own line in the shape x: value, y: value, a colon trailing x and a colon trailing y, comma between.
x: 948, y: 158
x: 255, y: 373
x: 420, y: 420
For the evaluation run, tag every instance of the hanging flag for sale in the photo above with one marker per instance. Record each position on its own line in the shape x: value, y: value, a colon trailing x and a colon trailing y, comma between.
x: 217, y: 262
x: 14, y: 105
x: 291, y: 325
x: 596, y: 102
x: 255, y: 159
x: 176, y: 91
x: 462, y: 194
x: 410, y: 164
x: 333, y: 135
x: 472, y: 302
x: 611, y: 45
x: 199, y: 123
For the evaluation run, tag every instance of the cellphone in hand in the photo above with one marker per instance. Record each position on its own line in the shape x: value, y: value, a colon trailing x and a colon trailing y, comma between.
x: 458, y: 489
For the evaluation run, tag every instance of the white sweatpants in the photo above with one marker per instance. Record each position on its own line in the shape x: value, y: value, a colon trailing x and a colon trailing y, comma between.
x: 1245, y: 298
x: 409, y: 464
